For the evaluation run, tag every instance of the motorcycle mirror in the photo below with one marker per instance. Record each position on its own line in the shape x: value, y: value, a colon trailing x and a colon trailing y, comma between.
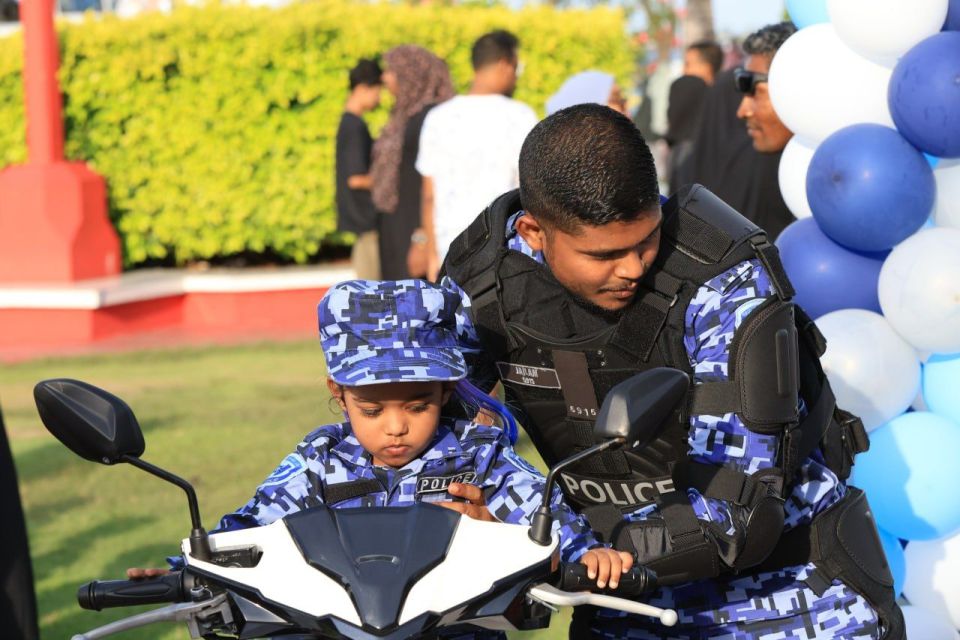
x: 99, y: 426
x: 635, y: 409
x: 94, y: 424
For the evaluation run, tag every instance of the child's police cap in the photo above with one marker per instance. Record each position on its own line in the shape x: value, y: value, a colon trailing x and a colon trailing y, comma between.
x: 393, y: 331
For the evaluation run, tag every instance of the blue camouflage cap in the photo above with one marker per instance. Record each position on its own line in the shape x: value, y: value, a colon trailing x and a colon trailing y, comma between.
x: 392, y: 331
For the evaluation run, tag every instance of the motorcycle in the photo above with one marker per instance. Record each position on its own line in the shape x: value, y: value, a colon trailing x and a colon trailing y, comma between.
x: 381, y: 573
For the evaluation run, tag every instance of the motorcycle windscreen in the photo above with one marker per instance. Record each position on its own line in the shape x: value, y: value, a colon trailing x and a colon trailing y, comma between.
x: 377, y: 554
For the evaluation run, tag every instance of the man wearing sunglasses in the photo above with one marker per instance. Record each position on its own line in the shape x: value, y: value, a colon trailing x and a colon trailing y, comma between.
x: 764, y: 126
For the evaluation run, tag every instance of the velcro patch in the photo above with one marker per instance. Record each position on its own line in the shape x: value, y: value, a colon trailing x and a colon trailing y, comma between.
x: 439, y: 484
x: 529, y: 376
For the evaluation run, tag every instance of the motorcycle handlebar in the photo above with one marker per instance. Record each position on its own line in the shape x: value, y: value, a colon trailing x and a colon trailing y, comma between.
x: 98, y: 595
x: 638, y: 581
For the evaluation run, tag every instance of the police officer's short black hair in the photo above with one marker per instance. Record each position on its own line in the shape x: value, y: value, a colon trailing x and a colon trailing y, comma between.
x: 768, y: 39
x: 366, y: 72
x: 711, y: 53
x: 493, y: 47
x: 587, y: 164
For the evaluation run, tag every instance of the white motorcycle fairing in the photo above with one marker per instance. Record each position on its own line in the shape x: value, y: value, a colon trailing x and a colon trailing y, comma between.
x: 383, y: 572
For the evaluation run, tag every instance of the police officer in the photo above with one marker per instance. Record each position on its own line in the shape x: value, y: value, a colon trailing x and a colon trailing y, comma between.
x: 585, y: 277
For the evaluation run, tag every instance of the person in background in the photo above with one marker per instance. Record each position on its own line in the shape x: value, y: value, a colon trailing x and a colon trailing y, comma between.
x: 724, y: 158
x: 355, y: 210
x: 417, y: 79
x: 469, y: 146
x: 683, y: 122
x: 766, y: 130
x: 703, y: 59
x: 18, y: 604
x: 586, y: 87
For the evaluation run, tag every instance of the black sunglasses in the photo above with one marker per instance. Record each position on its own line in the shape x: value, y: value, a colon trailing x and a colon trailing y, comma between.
x: 747, y: 81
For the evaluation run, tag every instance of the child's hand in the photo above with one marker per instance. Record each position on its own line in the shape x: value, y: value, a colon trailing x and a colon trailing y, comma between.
x: 606, y: 566
x: 475, y: 505
x: 143, y: 574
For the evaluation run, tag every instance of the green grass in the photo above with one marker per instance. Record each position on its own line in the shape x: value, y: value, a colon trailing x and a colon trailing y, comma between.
x: 221, y: 417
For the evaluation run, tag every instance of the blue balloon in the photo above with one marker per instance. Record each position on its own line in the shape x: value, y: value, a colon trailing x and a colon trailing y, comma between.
x: 895, y: 558
x: 932, y: 160
x: 941, y: 386
x: 868, y: 188
x: 924, y: 95
x: 911, y: 476
x: 807, y: 12
x: 828, y: 277
x: 952, y: 22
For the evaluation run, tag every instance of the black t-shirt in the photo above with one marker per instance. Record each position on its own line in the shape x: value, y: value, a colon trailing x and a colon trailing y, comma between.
x: 355, y: 210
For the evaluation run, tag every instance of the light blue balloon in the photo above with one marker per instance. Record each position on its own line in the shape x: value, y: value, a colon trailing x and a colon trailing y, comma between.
x: 895, y: 558
x: 933, y: 161
x: 807, y: 12
x: 941, y: 386
x: 911, y: 475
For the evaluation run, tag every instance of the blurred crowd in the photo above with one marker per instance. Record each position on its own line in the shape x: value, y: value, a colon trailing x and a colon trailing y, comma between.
x: 442, y: 157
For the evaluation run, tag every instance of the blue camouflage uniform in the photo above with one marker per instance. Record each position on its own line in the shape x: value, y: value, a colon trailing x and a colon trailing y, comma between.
x: 461, y: 451
x: 380, y: 332
x: 774, y: 605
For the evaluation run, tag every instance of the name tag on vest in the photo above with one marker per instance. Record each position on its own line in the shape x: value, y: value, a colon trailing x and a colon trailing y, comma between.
x: 619, y: 493
x: 439, y: 484
x: 529, y: 376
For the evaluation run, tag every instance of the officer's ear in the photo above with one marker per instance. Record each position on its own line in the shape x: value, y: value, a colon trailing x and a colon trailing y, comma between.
x: 532, y: 232
x: 336, y: 391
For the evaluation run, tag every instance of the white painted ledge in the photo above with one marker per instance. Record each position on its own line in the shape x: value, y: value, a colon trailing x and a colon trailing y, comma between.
x: 150, y: 284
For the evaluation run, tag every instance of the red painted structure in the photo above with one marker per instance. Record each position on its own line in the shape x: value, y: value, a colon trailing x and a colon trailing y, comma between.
x: 53, y: 214
x: 60, y: 257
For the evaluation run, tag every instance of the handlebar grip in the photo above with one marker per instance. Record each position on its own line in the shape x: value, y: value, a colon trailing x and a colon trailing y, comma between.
x: 638, y: 581
x: 98, y: 595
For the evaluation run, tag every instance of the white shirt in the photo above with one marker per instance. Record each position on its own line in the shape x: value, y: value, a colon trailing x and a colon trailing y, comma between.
x: 470, y: 148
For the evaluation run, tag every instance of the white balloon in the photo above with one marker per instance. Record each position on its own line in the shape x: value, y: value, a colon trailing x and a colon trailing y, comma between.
x: 818, y: 85
x: 926, y: 625
x: 933, y: 577
x: 793, y: 175
x: 884, y: 30
x: 946, y: 213
x: 874, y: 373
x: 919, y: 289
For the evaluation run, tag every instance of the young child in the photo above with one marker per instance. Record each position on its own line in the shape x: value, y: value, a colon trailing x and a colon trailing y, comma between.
x: 393, y: 363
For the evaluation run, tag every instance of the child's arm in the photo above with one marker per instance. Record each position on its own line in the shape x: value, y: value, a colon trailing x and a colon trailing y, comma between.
x: 287, y: 490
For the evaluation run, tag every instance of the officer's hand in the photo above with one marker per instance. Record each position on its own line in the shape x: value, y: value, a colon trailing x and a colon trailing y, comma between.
x: 143, y: 574
x: 606, y: 566
x: 475, y: 505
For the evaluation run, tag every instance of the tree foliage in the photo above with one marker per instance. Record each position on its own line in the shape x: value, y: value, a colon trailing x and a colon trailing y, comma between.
x: 215, y: 126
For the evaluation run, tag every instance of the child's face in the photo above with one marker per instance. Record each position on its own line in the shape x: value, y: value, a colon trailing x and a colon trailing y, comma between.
x: 394, y: 421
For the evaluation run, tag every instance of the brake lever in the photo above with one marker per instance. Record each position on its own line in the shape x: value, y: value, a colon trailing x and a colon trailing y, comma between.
x: 187, y: 612
x: 549, y: 594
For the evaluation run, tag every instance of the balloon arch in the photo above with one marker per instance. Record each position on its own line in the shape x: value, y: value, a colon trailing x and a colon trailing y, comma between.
x: 871, y: 89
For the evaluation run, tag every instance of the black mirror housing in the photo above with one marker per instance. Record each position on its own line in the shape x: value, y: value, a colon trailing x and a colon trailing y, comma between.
x: 635, y: 409
x: 94, y: 424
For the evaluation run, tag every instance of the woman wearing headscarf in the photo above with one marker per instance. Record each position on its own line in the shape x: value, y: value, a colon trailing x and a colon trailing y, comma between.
x: 684, y: 113
x: 419, y: 81
x: 588, y: 87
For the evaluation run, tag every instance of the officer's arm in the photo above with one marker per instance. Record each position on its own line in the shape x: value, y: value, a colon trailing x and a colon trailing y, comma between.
x: 726, y: 515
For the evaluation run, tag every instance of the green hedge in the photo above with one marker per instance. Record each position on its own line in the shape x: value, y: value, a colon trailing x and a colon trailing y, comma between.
x: 215, y: 126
